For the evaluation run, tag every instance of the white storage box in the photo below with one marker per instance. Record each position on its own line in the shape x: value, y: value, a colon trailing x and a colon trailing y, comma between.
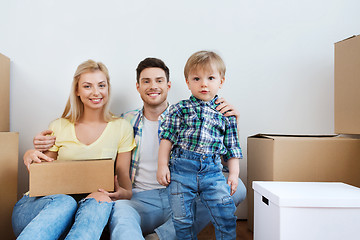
x: 306, y: 210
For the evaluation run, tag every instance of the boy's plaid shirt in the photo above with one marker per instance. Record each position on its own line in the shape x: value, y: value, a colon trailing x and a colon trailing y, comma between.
x: 197, y: 126
x: 136, y: 117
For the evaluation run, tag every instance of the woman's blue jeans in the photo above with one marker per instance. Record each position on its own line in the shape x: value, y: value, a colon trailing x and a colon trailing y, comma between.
x: 51, y: 217
x: 194, y: 174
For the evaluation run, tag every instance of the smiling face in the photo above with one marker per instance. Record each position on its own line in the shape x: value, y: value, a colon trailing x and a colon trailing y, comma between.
x: 153, y: 86
x: 93, y: 90
x: 205, y: 82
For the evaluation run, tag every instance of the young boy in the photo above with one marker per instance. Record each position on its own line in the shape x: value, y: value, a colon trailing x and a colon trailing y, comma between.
x: 197, y: 136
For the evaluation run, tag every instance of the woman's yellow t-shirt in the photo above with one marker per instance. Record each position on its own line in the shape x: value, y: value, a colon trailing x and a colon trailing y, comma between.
x: 117, y: 137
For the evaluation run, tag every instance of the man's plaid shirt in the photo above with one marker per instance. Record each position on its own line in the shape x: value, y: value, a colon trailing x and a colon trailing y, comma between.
x: 197, y: 126
x: 136, y: 118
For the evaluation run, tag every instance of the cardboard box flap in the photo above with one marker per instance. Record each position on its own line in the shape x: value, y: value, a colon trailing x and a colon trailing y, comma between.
x: 309, y: 194
x: 79, y: 160
x: 353, y: 36
x: 274, y: 136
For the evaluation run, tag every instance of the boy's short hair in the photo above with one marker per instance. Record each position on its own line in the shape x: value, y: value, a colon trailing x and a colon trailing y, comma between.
x: 204, y: 59
x: 152, y: 63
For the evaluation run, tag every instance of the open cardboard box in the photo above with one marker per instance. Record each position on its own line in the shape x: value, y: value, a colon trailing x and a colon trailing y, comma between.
x: 347, y: 86
x: 71, y: 177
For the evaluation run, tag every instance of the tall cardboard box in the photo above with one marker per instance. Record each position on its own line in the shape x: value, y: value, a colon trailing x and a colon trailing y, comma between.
x: 301, y: 159
x: 4, y: 93
x: 347, y: 86
x: 9, y: 150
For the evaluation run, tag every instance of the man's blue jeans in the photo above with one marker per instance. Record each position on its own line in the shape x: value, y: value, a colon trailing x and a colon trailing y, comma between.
x: 149, y: 211
x: 194, y: 174
x: 51, y: 217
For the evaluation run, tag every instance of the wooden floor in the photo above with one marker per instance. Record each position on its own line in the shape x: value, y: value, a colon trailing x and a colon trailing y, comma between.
x: 242, y: 232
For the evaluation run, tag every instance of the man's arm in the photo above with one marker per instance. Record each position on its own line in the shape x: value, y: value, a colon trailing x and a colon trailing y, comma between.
x: 163, y: 172
x: 43, y: 141
x: 227, y: 109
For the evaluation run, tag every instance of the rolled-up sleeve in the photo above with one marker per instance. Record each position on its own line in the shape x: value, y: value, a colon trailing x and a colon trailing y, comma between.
x: 231, y: 140
x: 171, y: 124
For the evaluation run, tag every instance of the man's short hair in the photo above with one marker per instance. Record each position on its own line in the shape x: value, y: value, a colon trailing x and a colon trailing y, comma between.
x: 152, y: 63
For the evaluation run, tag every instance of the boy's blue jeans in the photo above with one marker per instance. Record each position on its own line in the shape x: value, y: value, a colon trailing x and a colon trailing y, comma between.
x: 149, y: 211
x: 51, y: 217
x: 194, y: 174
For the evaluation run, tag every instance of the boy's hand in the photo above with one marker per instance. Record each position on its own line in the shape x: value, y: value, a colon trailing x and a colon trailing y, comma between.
x: 43, y: 142
x: 163, y: 175
x: 233, y: 182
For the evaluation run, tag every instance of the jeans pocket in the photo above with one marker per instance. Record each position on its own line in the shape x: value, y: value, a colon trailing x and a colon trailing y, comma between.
x: 176, y: 198
x: 227, y: 200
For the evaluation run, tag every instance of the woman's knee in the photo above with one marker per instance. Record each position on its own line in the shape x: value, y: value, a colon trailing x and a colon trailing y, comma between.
x: 99, y: 197
x: 65, y: 201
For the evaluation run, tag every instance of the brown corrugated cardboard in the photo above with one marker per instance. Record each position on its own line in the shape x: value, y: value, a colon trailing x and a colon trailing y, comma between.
x: 71, y: 177
x: 4, y: 93
x: 347, y: 86
x: 301, y: 159
x: 9, y: 151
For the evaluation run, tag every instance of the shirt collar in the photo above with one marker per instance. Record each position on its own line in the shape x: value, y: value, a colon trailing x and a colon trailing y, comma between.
x: 162, y: 115
x: 210, y: 103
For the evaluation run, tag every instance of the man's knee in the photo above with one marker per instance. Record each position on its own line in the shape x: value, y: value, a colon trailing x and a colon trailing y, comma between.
x: 240, y: 193
x: 124, y: 209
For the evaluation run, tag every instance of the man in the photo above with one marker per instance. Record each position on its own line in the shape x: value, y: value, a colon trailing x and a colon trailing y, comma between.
x: 148, y: 212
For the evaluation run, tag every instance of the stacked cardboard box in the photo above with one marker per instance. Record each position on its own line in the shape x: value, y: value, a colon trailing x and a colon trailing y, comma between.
x: 315, y: 158
x: 9, y: 145
x: 4, y: 93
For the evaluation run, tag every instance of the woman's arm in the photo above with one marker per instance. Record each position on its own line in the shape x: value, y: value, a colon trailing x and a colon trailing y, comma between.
x: 35, y: 156
x: 122, y: 181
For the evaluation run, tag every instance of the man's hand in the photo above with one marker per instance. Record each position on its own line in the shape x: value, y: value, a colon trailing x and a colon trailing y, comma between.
x: 119, y: 192
x: 36, y: 156
x: 225, y: 108
x: 163, y: 175
x: 43, y: 142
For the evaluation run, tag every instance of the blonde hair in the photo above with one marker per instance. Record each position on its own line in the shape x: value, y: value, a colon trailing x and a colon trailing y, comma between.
x: 74, y: 108
x: 203, y: 60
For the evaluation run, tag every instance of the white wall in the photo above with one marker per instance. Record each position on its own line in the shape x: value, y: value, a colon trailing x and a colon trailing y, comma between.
x: 279, y: 56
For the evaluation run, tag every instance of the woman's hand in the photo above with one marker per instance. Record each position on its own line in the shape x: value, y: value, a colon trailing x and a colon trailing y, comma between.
x: 36, y: 156
x: 119, y: 193
x: 227, y: 109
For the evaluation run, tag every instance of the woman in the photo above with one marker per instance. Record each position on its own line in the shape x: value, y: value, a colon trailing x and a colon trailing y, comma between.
x: 86, y: 130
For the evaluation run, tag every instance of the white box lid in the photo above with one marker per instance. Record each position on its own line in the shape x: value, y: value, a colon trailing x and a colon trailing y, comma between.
x: 309, y: 194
